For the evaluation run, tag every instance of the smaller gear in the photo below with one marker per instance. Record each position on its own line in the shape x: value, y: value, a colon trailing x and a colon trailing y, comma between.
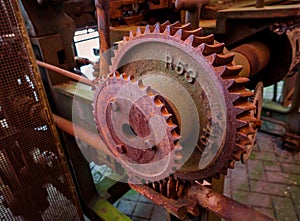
x: 257, y: 100
x: 138, y: 127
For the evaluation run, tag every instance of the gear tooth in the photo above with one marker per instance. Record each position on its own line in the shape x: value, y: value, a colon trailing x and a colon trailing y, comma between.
x: 187, y: 26
x: 215, y: 48
x: 209, y: 39
x: 247, y: 118
x: 201, y: 47
x: 131, y: 35
x: 241, y: 123
x: 150, y: 91
x: 231, y: 70
x: 157, y: 28
x: 242, y: 138
x: 228, y: 83
x: 147, y: 29
x: 131, y: 78
x: 245, y: 106
x: 124, y: 76
x: 244, y: 119
x: 164, y: 111
x: 238, y: 147
x: 117, y: 74
x: 110, y: 75
x: 175, y: 24
x: 165, y: 23
x: 186, y: 33
x: 197, y: 32
x: 138, y: 31
x: 236, y: 156
x: 231, y: 164
x: 178, y: 34
x: 242, y: 80
x: 178, y: 155
x: 237, y: 110
x: 167, y: 30
x: 178, y: 147
x: 248, y: 130
x: 140, y: 83
x: 220, y: 60
x: 242, y: 92
x: 189, y: 40
x: 158, y: 101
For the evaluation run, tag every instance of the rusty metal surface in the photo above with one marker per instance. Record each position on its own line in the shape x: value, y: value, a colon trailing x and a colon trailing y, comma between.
x: 193, y: 10
x: 196, y: 197
x: 131, y: 58
x: 102, y: 8
x: 34, y: 176
x: 65, y: 73
x: 128, y: 116
x: 267, y: 12
x: 180, y: 207
x: 257, y: 54
x: 83, y: 134
x: 224, y: 206
x: 257, y: 100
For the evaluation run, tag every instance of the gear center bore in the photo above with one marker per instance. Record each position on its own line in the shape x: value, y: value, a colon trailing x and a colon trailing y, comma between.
x: 130, y: 126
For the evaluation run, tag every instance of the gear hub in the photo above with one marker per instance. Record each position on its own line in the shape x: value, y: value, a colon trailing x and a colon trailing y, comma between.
x: 201, y: 92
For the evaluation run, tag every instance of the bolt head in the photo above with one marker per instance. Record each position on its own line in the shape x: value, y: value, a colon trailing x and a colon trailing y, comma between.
x: 115, y: 106
x: 121, y: 149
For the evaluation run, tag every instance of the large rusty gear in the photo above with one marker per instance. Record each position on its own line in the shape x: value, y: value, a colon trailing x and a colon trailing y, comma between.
x: 171, y: 57
x: 134, y: 122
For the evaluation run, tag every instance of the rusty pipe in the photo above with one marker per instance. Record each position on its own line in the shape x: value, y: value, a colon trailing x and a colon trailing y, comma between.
x: 87, y: 136
x: 224, y: 206
x: 102, y: 7
x: 65, y: 73
x: 179, y: 208
x: 254, y: 56
x: 193, y: 9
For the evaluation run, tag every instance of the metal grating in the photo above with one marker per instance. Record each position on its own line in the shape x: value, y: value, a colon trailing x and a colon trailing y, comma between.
x: 35, y: 183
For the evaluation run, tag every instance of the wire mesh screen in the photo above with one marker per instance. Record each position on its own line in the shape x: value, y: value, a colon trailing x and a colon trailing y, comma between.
x: 35, y: 183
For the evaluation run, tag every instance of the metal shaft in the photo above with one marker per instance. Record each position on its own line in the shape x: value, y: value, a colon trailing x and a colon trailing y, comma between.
x: 224, y: 206
x: 254, y: 55
x: 193, y: 9
x: 65, y: 73
x: 102, y: 7
x: 83, y: 134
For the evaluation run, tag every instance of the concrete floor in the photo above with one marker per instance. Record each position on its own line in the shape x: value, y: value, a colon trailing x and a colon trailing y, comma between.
x: 269, y: 182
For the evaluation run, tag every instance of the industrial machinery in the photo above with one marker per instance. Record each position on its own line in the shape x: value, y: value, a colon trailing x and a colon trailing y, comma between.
x: 170, y: 108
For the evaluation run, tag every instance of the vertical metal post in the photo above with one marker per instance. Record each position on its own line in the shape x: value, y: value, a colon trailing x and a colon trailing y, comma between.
x: 102, y: 7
